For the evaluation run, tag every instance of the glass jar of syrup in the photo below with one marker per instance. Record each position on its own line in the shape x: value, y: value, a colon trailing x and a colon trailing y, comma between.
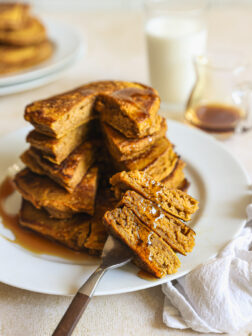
x: 221, y: 100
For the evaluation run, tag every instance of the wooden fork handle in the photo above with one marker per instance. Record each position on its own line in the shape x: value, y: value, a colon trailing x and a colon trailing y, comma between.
x: 78, y: 305
x: 72, y: 315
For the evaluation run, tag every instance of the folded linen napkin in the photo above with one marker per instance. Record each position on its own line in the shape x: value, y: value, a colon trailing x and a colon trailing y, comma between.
x: 216, y: 296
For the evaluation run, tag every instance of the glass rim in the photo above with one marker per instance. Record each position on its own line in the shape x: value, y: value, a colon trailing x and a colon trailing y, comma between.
x: 178, y: 9
x: 223, y: 60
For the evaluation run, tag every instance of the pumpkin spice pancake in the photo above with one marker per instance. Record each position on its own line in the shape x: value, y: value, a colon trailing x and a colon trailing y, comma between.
x: 16, y: 58
x: 98, y: 233
x: 163, y: 165
x: 32, y: 32
x: 80, y: 232
x: 43, y: 192
x: 154, y: 255
x: 122, y: 148
x: 62, y: 113
x: 148, y: 220
x: 71, y: 232
x: 176, y: 179
x: 173, y: 201
x: 159, y: 161
x: 172, y: 230
x: 132, y: 110
x: 71, y: 171
x: 57, y: 150
x: 13, y: 15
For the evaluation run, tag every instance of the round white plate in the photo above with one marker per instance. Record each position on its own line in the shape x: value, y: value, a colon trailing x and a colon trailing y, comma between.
x: 217, y: 180
x: 67, y: 46
x: 32, y: 84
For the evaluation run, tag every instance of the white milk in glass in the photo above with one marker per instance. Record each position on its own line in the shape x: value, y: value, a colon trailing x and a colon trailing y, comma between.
x: 172, y: 42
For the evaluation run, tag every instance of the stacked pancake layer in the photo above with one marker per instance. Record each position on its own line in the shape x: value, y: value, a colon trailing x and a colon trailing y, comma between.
x: 95, y: 131
x: 23, y: 39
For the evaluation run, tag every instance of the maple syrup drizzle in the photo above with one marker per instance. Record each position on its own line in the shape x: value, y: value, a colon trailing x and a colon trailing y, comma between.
x: 32, y: 241
x: 37, y: 244
x: 146, y: 276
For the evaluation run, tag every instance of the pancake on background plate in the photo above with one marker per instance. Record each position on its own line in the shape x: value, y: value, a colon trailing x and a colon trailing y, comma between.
x: 13, y: 15
x: 32, y: 32
x: 13, y: 58
x: 23, y: 38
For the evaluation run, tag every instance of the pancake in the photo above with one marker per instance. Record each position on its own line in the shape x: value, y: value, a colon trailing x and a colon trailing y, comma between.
x: 80, y: 232
x: 71, y: 171
x: 132, y: 110
x: 98, y: 233
x: 62, y: 113
x: 173, y: 201
x: 57, y: 150
x: 176, y: 179
x: 71, y: 232
x: 123, y: 149
x: 13, y: 15
x: 163, y: 165
x: 13, y: 58
x: 32, y: 32
x: 42, y: 192
x: 155, y: 255
x: 159, y: 161
x: 172, y: 230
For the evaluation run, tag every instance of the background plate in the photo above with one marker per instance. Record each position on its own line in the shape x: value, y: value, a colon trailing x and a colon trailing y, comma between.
x: 217, y: 180
x: 67, y: 47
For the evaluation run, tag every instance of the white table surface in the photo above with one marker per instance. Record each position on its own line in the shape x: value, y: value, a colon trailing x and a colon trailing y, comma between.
x: 116, y: 50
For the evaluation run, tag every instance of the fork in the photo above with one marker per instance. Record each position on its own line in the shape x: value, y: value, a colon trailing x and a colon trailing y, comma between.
x: 114, y: 255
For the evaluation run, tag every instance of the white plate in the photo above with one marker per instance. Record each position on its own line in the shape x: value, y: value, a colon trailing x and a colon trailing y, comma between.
x: 67, y: 47
x: 217, y: 180
x: 32, y: 84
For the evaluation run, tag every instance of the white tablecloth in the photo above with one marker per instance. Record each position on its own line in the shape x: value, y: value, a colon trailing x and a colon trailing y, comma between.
x: 116, y: 50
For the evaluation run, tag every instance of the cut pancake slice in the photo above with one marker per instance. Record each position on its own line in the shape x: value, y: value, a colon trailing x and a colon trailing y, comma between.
x: 98, y: 234
x: 132, y: 110
x: 60, y: 114
x: 80, y: 232
x: 71, y: 171
x: 146, y: 159
x: 172, y: 230
x: 42, y: 192
x: 176, y: 179
x: 159, y: 161
x: 97, y: 237
x: 156, y: 256
x: 122, y: 148
x: 57, y: 150
x: 163, y: 165
x: 173, y: 201
x: 71, y: 232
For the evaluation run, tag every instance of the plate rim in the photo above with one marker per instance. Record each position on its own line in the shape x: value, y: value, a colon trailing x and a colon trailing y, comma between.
x: 146, y: 284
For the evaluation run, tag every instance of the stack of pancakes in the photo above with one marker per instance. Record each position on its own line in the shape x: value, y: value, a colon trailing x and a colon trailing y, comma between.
x: 95, y: 130
x: 23, y: 39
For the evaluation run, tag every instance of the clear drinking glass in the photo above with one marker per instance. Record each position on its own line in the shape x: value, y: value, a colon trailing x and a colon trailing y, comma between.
x: 221, y: 99
x: 175, y: 32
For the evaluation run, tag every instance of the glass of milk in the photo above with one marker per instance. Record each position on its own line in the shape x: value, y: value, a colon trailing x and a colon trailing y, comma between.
x: 176, y: 32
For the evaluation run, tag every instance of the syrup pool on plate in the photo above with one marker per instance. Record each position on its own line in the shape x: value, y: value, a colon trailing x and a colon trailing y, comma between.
x: 33, y: 242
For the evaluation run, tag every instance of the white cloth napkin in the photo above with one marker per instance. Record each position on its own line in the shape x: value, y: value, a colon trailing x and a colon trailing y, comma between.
x: 216, y: 296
